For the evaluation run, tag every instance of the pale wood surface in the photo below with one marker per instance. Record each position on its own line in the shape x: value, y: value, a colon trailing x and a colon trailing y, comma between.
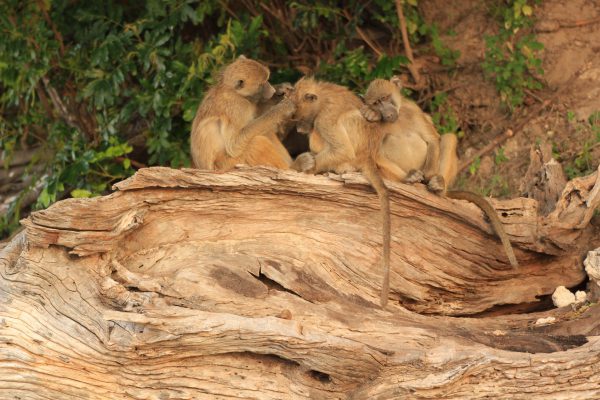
x: 258, y: 283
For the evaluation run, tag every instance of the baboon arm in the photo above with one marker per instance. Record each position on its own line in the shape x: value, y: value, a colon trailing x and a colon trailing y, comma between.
x: 338, y: 149
x: 207, y: 142
x: 265, y: 124
x: 334, y: 154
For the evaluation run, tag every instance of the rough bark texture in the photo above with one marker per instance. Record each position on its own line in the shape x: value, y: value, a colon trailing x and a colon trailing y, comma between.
x: 258, y: 283
x: 545, y: 179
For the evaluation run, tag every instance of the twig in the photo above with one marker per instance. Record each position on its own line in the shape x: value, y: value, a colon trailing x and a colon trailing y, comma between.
x: 225, y: 5
x: 489, y: 147
x: 136, y: 164
x: 552, y: 26
x: 59, y: 105
x: 539, y: 108
x: 534, y: 96
x: 64, y: 112
x: 575, y: 24
x: 407, y: 49
x: 55, y: 30
x: 506, y: 135
x: 435, y: 93
x: 365, y: 38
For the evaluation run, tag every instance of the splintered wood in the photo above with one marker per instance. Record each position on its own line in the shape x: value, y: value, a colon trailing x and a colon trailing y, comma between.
x: 260, y: 283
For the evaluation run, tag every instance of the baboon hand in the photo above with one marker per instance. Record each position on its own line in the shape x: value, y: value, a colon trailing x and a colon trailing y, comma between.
x: 437, y: 184
x: 284, y: 89
x: 303, y: 127
x: 369, y: 114
x: 286, y: 108
x: 305, y: 162
x: 414, y: 176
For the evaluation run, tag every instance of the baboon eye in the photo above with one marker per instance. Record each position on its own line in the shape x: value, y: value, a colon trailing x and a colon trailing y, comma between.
x: 239, y: 84
x: 310, y: 97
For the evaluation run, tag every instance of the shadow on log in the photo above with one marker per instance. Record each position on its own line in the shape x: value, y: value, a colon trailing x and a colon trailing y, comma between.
x: 259, y: 283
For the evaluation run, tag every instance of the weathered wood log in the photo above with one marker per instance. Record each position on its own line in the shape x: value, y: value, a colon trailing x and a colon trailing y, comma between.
x: 545, y: 179
x: 261, y: 283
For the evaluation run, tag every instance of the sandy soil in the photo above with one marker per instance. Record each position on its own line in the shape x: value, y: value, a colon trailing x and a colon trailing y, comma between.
x: 571, y: 62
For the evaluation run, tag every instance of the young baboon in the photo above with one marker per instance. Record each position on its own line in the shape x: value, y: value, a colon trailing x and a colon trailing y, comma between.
x: 341, y: 140
x: 411, y: 143
x: 228, y: 130
x: 294, y: 142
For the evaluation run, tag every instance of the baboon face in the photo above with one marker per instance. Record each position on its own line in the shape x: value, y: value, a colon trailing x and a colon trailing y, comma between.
x: 380, y: 97
x: 283, y: 89
x: 308, y: 104
x: 249, y: 79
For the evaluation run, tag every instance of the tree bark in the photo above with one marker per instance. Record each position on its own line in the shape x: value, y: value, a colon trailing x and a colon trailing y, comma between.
x: 260, y: 283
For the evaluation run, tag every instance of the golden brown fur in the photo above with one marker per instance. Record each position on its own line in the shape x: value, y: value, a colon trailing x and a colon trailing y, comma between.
x: 228, y: 129
x: 341, y: 140
x: 411, y: 144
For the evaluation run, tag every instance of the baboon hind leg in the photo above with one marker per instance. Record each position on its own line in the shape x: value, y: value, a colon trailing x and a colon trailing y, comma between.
x: 447, y: 169
x: 263, y: 151
x: 448, y: 160
x: 280, y: 149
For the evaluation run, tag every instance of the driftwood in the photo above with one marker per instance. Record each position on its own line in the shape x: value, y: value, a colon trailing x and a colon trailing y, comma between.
x: 545, y: 179
x: 258, y: 283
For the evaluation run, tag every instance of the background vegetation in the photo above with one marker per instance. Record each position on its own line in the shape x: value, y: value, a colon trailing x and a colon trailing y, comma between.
x: 98, y: 89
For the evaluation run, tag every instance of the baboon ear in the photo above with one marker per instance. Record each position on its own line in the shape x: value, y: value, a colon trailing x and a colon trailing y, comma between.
x: 239, y: 84
x: 310, y: 97
x: 242, y: 57
x: 396, y: 80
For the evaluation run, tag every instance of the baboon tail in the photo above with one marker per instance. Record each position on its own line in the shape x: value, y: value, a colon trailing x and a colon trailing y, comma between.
x: 378, y: 184
x: 493, y: 217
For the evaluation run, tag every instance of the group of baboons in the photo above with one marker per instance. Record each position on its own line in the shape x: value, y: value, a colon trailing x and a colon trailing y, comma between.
x: 243, y: 120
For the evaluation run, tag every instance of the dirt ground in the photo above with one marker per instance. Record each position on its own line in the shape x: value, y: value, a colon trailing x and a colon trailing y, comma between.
x: 571, y: 63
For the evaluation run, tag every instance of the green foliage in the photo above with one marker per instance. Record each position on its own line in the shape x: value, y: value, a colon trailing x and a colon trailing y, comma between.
x: 447, y: 55
x: 98, y: 87
x: 500, y: 157
x: 511, y: 58
x: 443, y: 116
x: 498, y: 186
x: 355, y: 68
x: 584, y: 162
x: 474, y: 167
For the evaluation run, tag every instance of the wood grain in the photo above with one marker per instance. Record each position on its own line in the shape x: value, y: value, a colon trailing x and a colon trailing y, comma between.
x: 259, y: 283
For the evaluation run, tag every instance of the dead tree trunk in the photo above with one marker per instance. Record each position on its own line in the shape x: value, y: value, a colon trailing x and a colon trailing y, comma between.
x: 258, y: 283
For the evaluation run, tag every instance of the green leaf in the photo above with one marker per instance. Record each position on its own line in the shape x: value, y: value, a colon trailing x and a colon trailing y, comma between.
x: 44, y: 199
x: 527, y: 10
x: 126, y: 163
x: 80, y: 193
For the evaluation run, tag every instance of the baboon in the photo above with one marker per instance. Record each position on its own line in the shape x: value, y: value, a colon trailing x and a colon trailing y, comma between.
x: 411, y: 145
x: 341, y: 140
x: 227, y: 129
x: 294, y: 142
